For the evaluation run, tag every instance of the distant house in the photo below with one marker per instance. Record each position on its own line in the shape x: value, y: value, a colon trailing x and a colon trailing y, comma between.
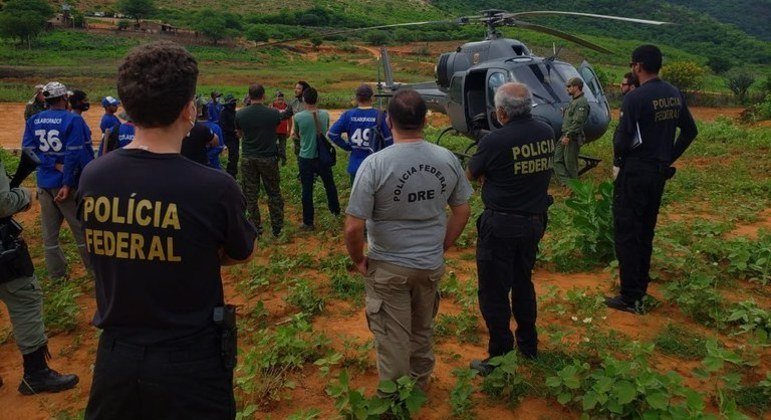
x: 156, y: 27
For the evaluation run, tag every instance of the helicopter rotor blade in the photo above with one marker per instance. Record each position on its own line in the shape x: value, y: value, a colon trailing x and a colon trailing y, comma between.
x: 592, y: 15
x: 345, y: 31
x: 559, y: 34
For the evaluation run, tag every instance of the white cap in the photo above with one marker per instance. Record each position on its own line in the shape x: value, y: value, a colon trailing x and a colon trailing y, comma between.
x: 54, y: 90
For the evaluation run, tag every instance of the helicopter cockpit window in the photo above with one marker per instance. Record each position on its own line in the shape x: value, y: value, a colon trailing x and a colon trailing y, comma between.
x: 566, y: 72
x: 493, y: 83
x: 541, y: 95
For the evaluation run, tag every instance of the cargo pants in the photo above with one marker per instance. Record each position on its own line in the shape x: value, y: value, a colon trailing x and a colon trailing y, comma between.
x: 566, y: 160
x: 262, y: 170
x: 52, y: 215
x: 401, y: 304
x: 24, y: 300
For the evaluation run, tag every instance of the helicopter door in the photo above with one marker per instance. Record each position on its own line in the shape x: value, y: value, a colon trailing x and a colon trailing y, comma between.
x: 455, y: 108
x: 495, y: 78
x: 594, y: 84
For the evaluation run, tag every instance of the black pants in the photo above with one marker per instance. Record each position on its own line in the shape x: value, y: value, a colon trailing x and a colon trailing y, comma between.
x: 184, y: 380
x: 636, y: 200
x: 506, y: 249
x: 309, y: 168
x: 233, y: 146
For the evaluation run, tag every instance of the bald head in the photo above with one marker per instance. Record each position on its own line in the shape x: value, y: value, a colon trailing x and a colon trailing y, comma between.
x: 512, y: 100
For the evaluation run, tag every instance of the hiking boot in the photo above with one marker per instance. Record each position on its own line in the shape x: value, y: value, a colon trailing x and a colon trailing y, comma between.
x: 482, y: 366
x: 38, y: 377
x: 618, y: 303
x: 47, y: 380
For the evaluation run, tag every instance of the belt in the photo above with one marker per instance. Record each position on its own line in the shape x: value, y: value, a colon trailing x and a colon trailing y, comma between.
x: 521, y: 214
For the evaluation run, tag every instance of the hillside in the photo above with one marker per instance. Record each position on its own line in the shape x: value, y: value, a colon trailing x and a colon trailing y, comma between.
x: 751, y: 16
x: 698, y: 28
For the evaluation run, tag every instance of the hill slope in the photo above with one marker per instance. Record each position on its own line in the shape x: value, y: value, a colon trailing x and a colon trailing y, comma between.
x: 751, y: 16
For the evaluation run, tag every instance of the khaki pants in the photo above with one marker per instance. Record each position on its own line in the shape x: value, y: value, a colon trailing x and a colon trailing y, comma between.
x: 52, y: 214
x: 401, y: 305
x: 24, y: 300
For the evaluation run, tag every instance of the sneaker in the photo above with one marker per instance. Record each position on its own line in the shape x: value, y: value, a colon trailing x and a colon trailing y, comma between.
x: 482, y: 366
x: 618, y: 303
x: 47, y: 380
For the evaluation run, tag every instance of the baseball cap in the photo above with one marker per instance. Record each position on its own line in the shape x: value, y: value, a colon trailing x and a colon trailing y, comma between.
x: 110, y: 101
x: 216, y: 94
x: 364, y: 91
x: 279, y: 94
x: 54, y: 90
x: 39, y: 88
x: 229, y: 98
x: 575, y: 81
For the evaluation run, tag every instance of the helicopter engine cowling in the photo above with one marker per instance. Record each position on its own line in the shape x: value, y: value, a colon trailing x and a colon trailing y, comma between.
x: 472, y: 53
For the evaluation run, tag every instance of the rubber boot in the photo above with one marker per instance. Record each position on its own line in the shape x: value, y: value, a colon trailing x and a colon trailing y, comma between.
x: 38, y: 377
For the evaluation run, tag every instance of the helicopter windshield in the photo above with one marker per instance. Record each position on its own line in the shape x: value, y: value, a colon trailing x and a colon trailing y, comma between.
x: 547, y: 82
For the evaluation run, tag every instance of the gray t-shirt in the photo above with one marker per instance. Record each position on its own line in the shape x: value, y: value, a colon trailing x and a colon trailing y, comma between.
x: 403, y: 192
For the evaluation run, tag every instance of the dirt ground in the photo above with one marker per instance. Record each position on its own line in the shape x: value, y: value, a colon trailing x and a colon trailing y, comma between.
x: 12, y: 116
x: 74, y: 352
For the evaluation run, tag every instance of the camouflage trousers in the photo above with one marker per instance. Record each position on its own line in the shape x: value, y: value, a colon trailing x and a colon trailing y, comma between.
x: 256, y: 171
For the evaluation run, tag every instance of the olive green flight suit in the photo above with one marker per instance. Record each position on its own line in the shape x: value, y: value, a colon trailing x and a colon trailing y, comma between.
x: 566, y: 156
x: 22, y: 296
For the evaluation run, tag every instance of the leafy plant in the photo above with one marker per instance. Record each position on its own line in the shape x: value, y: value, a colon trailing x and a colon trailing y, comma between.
x: 326, y: 363
x: 305, y: 297
x: 463, y: 326
x: 589, y: 242
x: 751, y: 319
x: 347, y: 286
x: 696, y: 296
x: 460, y: 396
x: 505, y: 381
x: 400, y: 399
x: 626, y: 389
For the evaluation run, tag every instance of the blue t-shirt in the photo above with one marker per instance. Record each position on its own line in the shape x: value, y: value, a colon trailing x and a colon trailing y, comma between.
x: 108, y: 121
x: 359, y: 126
x: 59, y: 137
x: 214, y: 152
x: 125, y: 134
x: 213, y: 109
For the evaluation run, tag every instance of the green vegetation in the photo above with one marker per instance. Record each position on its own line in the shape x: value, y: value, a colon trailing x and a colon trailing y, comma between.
x: 137, y: 9
x: 24, y: 19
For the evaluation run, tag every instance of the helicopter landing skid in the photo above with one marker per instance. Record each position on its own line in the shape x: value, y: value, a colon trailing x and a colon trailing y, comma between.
x: 589, y: 163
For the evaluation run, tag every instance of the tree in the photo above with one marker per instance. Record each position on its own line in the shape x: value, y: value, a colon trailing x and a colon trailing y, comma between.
x: 685, y: 75
x: 377, y: 38
x: 211, y: 25
x: 719, y: 64
x: 24, y: 19
x: 739, y: 81
x: 257, y: 34
x: 137, y: 9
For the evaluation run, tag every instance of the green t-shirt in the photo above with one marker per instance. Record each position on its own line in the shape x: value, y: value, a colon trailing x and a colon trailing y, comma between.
x: 304, y: 123
x: 258, y: 123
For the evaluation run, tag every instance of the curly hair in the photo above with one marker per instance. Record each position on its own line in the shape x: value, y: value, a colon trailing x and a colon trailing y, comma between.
x: 155, y: 82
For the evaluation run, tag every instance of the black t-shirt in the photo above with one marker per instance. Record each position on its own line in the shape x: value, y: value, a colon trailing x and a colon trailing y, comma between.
x: 649, y: 118
x: 154, y: 233
x: 194, y: 145
x: 228, y: 122
x: 516, y: 161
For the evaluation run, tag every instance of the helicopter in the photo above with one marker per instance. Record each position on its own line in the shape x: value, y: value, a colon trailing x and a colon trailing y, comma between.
x: 466, y: 79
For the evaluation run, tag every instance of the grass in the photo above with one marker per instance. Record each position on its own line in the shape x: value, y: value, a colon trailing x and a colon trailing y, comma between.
x: 674, y: 340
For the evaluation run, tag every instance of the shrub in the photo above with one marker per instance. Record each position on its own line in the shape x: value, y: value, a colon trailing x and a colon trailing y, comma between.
x: 256, y: 34
x: 305, y: 297
x: 719, y: 64
x: 377, y: 38
x: 685, y: 75
x: 739, y: 82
